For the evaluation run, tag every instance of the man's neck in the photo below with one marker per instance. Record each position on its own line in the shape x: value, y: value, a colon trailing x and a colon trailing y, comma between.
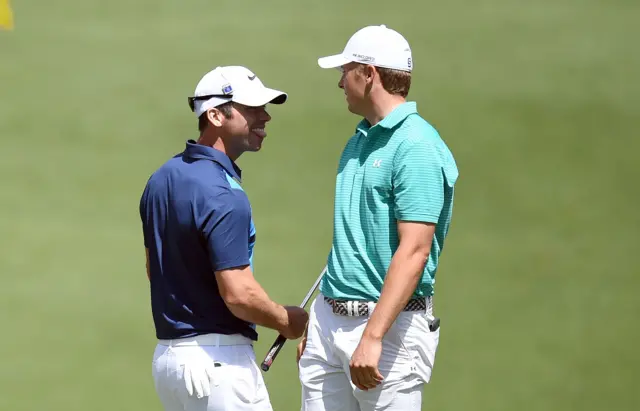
x: 382, y: 107
x: 216, y: 142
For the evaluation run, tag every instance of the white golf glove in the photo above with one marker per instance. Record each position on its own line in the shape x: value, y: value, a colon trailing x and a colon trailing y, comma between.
x: 199, y: 373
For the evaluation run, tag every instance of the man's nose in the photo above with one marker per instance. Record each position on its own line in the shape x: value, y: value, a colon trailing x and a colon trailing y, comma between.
x: 265, y: 116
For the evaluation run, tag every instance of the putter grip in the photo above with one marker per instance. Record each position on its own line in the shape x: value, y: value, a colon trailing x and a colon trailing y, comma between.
x: 273, y: 352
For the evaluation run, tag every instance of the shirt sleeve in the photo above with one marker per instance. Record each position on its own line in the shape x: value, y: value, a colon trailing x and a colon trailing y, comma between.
x: 143, y: 216
x: 418, y: 182
x: 225, y: 221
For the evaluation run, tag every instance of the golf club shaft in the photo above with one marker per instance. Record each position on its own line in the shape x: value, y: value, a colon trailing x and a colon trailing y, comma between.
x: 279, y: 342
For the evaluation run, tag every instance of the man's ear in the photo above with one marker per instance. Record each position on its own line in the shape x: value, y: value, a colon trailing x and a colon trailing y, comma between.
x: 369, y: 73
x: 215, y: 117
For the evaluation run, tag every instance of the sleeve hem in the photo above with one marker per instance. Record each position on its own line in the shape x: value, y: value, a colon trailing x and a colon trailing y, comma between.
x: 421, y: 218
x: 225, y: 265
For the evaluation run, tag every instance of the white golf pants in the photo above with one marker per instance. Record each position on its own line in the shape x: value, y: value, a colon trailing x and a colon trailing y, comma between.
x: 210, y: 372
x: 408, y: 355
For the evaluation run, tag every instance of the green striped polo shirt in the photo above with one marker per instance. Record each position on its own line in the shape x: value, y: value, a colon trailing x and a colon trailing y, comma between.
x: 398, y: 170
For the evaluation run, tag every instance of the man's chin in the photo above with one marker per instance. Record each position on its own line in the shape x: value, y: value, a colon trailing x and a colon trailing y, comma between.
x: 254, y: 147
x: 353, y: 109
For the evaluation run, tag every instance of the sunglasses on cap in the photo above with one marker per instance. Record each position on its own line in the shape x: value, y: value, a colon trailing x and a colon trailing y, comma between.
x: 227, y: 91
x: 192, y: 100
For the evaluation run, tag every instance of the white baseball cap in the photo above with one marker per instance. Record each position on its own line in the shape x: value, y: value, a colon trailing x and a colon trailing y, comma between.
x: 375, y: 45
x: 232, y: 83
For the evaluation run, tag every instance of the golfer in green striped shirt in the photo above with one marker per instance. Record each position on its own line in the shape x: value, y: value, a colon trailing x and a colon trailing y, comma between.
x: 372, y: 334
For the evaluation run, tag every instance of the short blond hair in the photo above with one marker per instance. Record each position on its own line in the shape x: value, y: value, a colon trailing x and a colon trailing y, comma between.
x: 395, y: 81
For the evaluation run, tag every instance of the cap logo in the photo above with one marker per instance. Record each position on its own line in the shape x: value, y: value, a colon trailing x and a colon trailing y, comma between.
x: 251, y: 77
x: 409, y: 62
x: 227, y: 89
x: 363, y: 58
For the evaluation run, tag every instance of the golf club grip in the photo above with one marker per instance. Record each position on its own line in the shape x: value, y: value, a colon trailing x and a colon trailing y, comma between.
x: 273, y: 352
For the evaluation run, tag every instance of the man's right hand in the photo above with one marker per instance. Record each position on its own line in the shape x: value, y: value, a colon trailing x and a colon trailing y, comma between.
x: 296, y: 324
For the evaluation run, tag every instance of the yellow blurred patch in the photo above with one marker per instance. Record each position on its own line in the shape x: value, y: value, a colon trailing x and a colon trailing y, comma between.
x: 6, y: 15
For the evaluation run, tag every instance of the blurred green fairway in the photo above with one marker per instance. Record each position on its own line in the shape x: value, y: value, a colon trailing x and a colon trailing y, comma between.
x: 538, y: 100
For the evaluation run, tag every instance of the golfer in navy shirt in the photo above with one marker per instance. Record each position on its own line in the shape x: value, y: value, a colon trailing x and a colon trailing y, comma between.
x: 199, y: 238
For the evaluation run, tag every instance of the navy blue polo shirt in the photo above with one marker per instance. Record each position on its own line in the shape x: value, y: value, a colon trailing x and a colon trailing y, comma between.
x: 196, y: 219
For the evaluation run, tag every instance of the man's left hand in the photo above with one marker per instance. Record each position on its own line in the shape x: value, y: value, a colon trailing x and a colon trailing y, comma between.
x: 364, y: 364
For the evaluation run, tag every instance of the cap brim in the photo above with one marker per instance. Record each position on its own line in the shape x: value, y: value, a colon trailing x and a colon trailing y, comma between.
x: 337, y: 60
x: 277, y: 97
x: 266, y: 96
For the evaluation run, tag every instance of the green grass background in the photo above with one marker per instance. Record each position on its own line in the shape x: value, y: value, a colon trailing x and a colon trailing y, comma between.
x: 539, y: 102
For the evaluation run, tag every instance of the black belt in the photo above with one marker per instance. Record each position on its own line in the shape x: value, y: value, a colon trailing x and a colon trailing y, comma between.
x: 361, y: 308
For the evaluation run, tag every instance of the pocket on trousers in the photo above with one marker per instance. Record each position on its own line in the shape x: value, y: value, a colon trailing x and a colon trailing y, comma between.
x: 161, y: 371
x: 248, y: 384
x: 159, y: 359
x: 396, y: 361
x: 422, y: 344
x: 159, y: 352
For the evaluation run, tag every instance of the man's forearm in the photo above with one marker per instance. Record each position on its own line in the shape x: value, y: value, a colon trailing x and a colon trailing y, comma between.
x: 247, y: 300
x: 400, y: 282
x: 256, y: 307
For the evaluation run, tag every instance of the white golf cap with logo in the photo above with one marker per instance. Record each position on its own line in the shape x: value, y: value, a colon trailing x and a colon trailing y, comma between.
x: 232, y: 83
x: 375, y: 45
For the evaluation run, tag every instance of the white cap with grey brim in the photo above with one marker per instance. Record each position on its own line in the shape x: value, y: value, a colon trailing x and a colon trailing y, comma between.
x: 375, y: 45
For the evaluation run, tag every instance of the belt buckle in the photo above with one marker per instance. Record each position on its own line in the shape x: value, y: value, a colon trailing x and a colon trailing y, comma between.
x: 348, y: 308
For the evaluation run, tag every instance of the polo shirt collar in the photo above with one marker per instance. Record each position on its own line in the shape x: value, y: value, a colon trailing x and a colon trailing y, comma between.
x: 200, y: 152
x: 392, y: 119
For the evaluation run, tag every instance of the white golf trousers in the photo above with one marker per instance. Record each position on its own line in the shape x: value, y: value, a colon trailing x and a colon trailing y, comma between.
x: 408, y: 355
x: 209, y: 373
